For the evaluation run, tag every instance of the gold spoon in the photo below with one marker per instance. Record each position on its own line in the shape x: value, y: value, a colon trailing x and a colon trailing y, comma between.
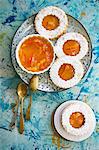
x: 33, y: 87
x: 22, y: 92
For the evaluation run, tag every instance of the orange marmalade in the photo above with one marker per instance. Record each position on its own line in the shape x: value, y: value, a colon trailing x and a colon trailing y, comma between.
x: 50, y: 22
x: 36, y: 54
x: 71, y: 47
x: 66, y: 72
x: 77, y: 119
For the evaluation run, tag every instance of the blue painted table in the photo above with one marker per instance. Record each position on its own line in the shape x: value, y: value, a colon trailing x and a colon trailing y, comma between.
x: 39, y: 133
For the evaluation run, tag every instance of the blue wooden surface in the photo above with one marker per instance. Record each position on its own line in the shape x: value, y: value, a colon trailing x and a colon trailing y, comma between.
x: 39, y: 134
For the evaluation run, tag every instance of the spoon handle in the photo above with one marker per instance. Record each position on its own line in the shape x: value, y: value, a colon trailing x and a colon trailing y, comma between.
x: 14, y: 117
x: 21, y: 129
x: 29, y: 109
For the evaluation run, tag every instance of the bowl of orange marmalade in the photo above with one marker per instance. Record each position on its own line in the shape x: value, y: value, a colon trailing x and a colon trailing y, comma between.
x: 35, y: 54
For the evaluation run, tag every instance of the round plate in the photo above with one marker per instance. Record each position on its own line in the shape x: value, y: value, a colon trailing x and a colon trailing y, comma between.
x: 45, y: 83
x: 60, y: 129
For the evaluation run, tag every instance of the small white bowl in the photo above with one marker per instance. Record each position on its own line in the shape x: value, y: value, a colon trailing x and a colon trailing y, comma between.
x: 18, y: 59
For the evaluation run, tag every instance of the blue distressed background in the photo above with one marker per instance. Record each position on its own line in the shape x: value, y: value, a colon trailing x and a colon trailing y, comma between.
x: 39, y: 134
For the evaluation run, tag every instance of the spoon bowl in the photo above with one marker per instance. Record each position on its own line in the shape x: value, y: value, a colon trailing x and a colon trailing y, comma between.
x: 34, y: 83
x: 22, y: 90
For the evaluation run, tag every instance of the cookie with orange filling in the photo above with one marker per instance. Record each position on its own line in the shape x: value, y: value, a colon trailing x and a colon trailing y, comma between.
x: 51, y: 22
x: 65, y: 72
x: 71, y: 44
x: 78, y: 119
